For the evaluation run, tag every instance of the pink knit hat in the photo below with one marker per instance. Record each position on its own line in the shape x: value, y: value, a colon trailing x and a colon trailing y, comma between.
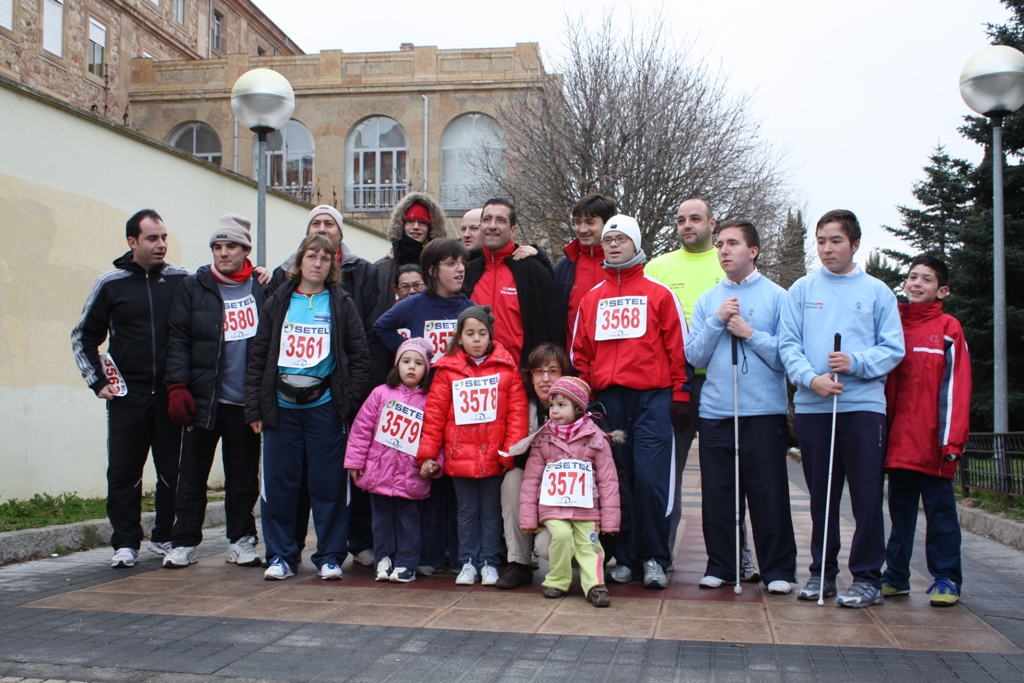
x: 574, y: 389
x: 417, y: 344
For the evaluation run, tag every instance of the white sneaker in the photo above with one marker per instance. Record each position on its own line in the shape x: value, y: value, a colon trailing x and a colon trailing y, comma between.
x: 710, y: 582
x: 488, y: 575
x: 365, y: 558
x: 384, y: 569
x: 124, y: 558
x: 278, y: 570
x: 330, y: 572
x: 780, y: 587
x: 160, y: 548
x: 180, y: 557
x: 243, y: 553
x: 467, y: 577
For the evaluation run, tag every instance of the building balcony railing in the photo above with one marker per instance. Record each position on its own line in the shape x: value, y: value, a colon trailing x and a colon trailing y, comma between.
x: 369, y: 197
x: 463, y: 196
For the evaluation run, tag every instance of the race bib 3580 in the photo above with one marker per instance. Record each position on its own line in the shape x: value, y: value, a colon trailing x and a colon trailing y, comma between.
x: 240, y: 318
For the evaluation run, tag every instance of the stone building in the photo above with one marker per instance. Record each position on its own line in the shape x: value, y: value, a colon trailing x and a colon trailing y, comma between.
x: 367, y: 127
x: 81, y: 51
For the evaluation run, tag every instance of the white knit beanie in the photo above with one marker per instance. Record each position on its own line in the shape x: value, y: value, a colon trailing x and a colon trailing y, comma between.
x: 329, y: 210
x: 627, y: 225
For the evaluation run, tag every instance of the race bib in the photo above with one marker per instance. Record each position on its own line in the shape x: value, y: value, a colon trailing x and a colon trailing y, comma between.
x: 624, y: 317
x: 439, y: 333
x: 568, y: 483
x: 399, y: 427
x: 113, y: 375
x: 475, y: 399
x: 303, y: 346
x: 404, y: 332
x: 240, y: 318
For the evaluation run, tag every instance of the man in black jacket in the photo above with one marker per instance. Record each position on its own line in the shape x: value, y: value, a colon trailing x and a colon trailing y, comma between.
x: 131, y: 303
x: 521, y: 293
x: 213, y: 320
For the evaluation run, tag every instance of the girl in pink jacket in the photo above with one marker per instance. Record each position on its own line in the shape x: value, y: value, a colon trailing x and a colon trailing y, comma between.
x: 570, y: 486
x: 381, y: 456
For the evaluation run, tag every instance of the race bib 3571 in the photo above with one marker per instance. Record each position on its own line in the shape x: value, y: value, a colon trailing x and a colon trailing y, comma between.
x: 568, y: 483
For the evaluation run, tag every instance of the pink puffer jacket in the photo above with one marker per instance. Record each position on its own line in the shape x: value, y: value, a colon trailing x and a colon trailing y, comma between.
x: 589, y: 444
x: 386, y: 471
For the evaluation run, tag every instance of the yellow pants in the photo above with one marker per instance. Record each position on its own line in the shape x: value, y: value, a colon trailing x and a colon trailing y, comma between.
x: 571, y: 539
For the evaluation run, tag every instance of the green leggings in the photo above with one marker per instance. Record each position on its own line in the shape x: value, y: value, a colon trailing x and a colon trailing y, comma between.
x: 571, y: 539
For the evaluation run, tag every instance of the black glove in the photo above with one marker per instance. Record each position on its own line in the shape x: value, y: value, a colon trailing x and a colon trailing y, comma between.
x: 680, y: 412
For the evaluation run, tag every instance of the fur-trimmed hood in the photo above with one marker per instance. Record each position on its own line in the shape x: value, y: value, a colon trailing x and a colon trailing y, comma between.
x: 438, y: 221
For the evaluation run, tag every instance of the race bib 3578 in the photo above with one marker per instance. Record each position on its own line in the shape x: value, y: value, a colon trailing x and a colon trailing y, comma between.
x: 475, y: 399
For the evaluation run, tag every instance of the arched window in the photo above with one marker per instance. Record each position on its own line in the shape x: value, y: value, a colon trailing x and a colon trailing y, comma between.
x: 471, y: 145
x: 290, y: 155
x: 378, y: 152
x: 197, y: 138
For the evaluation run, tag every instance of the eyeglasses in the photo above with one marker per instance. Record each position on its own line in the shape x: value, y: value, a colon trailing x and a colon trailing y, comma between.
x: 615, y: 239
x: 553, y: 373
x: 415, y: 287
x: 318, y: 258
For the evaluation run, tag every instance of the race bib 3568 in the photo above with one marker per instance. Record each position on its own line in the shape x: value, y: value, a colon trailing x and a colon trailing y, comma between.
x: 623, y: 317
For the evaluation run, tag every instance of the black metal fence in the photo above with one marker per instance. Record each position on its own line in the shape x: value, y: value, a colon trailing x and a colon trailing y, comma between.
x: 993, y: 462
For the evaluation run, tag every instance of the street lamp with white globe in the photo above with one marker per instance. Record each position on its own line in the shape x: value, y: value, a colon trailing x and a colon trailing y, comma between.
x: 992, y: 84
x: 263, y: 101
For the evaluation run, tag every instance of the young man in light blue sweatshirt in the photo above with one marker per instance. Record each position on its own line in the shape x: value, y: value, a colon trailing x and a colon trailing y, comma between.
x: 841, y: 298
x: 748, y: 306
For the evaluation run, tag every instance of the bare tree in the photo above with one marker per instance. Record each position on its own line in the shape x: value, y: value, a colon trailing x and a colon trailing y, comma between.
x: 637, y: 116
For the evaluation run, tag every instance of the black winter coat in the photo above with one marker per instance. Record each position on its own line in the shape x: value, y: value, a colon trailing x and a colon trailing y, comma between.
x: 197, y: 340
x: 350, y: 380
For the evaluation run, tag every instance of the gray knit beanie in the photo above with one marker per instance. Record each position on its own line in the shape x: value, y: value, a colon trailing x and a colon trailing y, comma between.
x: 233, y: 228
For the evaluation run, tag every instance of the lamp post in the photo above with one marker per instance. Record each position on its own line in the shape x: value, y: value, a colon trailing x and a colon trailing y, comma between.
x: 263, y: 101
x: 992, y: 84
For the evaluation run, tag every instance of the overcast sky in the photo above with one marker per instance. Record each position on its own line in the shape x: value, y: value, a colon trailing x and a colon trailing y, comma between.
x: 859, y: 93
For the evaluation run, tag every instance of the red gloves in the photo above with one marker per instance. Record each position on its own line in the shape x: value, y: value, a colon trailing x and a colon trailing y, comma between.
x: 680, y: 412
x: 180, y: 403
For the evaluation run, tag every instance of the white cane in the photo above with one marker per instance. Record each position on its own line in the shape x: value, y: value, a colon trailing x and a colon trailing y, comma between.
x: 736, y: 460
x: 828, y: 491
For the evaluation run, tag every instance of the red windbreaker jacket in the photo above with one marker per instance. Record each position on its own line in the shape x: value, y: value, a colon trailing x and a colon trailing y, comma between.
x: 928, y: 396
x: 655, y: 360
x: 471, y: 450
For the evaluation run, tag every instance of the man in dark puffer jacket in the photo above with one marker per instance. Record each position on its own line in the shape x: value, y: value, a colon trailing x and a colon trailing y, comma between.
x: 213, y: 322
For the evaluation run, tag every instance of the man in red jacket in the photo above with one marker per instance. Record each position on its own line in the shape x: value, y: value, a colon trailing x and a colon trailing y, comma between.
x: 628, y: 346
x: 928, y: 399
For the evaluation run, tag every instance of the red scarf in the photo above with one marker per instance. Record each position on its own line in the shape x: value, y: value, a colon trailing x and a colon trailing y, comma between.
x: 243, y: 274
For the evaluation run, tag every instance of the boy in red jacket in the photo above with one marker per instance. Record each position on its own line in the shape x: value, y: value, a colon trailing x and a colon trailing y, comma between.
x: 628, y: 346
x: 928, y: 400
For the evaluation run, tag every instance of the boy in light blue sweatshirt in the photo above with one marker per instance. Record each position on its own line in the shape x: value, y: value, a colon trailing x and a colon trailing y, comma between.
x: 748, y: 306
x: 841, y: 298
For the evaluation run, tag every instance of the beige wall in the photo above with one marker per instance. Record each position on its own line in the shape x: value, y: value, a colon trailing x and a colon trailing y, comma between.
x: 334, y: 92
x: 68, y: 183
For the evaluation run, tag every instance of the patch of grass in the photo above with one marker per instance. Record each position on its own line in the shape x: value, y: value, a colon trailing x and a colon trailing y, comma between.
x: 43, y: 509
x: 995, y: 502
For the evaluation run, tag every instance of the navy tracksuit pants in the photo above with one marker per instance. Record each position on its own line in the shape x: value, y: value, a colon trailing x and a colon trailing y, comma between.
x: 318, y: 435
x: 764, y: 485
x: 907, y: 488
x: 396, y: 530
x: 861, y: 439
x: 648, y: 461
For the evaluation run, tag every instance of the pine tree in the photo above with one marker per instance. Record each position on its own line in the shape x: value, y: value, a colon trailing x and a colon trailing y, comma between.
x: 945, y: 197
x: 885, y: 270
x: 791, y: 264
x: 971, y: 297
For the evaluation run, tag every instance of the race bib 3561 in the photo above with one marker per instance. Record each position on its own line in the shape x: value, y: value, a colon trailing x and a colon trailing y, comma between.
x: 303, y: 346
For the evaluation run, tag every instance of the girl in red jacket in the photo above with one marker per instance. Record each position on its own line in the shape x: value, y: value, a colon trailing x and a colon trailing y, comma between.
x: 476, y: 411
x: 571, y: 487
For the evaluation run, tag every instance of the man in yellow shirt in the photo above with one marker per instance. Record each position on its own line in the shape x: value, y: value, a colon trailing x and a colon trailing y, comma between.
x: 689, y: 272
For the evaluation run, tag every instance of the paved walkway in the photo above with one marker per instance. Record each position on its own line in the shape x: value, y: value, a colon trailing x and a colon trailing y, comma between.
x: 73, y: 618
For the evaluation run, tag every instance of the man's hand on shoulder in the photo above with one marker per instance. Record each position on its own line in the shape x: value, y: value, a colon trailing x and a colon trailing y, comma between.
x: 525, y: 251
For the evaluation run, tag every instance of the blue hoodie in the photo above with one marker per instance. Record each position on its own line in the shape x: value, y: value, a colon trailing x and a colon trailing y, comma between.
x: 860, y: 308
x: 413, y: 313
x: 762, y: 379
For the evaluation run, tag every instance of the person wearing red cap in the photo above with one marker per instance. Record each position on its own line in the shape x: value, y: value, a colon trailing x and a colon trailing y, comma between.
x: 416, y: 220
